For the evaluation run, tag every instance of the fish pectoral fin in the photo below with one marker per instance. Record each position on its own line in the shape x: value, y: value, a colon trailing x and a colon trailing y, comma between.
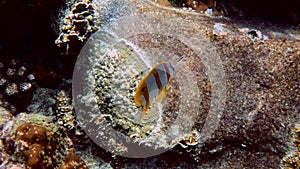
x: 162, y: 94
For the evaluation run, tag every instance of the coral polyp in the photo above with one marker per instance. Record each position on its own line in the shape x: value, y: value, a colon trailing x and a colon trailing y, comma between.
x: 16, y: 83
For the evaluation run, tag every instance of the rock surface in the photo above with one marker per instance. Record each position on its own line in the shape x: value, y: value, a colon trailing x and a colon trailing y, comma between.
x: 260, y: 70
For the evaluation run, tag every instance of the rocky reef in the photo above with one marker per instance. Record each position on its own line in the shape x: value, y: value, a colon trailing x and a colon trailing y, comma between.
x: 232, y: 103
x: 254, y: 61
x: 29, y: 137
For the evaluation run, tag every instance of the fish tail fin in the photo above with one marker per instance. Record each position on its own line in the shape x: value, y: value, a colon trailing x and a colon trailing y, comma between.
x: 179, y: 62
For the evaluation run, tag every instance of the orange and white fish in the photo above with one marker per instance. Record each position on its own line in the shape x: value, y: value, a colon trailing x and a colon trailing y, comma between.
x: 153, y: 85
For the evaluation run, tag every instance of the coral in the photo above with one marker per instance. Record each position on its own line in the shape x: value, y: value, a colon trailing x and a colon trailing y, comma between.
x: 262, y: 76
x: 37, y: 136
x: 77, y: 25
x: 64, y: 110
x: 16, y: 82
x: 73, y: 161
x: 92, y: 159
x: 66, y: 120
x: 114, y: 89
x: 37, y: 145
x: 43, y: 102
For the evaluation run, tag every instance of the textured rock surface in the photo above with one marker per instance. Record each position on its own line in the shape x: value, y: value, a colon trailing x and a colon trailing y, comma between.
x: 261, y: 64
x: 277, y: 11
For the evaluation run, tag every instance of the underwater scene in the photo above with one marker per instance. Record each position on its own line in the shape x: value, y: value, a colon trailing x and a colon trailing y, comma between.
x: 149, y: 84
